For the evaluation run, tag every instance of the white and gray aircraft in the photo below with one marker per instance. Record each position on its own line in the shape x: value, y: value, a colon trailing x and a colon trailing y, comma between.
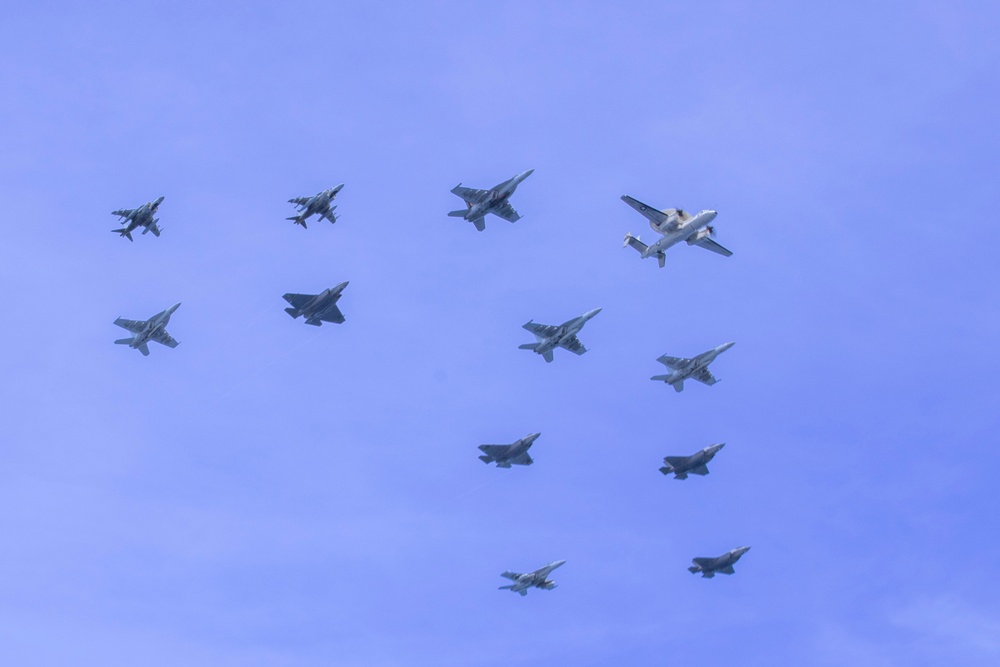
x: 317, y: 308
x: 144, y: 331
x: 695, y: 368
x: 548, y: 337
x: 139, y: 217
x: 696, y: 464
x: 536, y: 579
x: 722, y: 564
x: 494, y: 200
x: 505, y: 455
x: 318, y: 204
x: 675, y: 225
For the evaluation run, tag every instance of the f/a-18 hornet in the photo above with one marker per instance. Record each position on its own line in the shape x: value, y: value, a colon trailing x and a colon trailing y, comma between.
x: 494, y: 200
x: 318, y: 204
x: 696, y: 464
x: 695, y: 368
x: 549, y: 337
x: 317, y: 308
x: 536, y: 579
x: 139, y: 217
x: 722, y: 564
x: 144, y: 331
x: 675, y: 225
x: 505, y: 455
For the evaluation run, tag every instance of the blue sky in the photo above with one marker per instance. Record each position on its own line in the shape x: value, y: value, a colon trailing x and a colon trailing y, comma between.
x: 272, y: 494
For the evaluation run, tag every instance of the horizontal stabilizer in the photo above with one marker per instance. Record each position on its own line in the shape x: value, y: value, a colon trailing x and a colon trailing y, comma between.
x: 480, y: 224
x: 144, y: 350
x: 123, y: 341
x: 291, y: 311
x: 635, y: 243
x: 694, y: 569
x: 123, y: 232
x: 666, y: 470
x: 547, y: 356
x: 527, y: 346
x: 678, y: 386
x: 314, y: 321
x: 458, y: 214
x: 486, y: 459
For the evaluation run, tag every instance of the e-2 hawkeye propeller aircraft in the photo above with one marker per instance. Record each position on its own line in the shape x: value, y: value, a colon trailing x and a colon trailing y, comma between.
x: 675, y: 225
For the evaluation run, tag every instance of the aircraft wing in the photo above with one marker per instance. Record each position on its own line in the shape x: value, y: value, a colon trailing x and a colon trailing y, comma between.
x: 699, y: 470
x: 332, y: 314
x: 329, y: 215
x: 726, y: 570
x: 300, y: 201
x: 709, y: 244
x: 507, y: 212
x: 543, y: 330
x: 653, y: 215
x: 705, y: 377
x: 675, y: 461
x: 493, y: 450
x: 470, y: 195
x: 703, y: 561
x: 163, y: 338
x: 573, y: 344
x: 124, y: 212
x: 671, y: 362
x: 298, y: 300
x: 513, y: 576
x: 135, y: 326
x: 153, y: 228
x: 521, y: 459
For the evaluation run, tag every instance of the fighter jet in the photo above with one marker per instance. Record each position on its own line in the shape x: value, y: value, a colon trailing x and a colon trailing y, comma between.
x: 494, y: 200
x: 696, y: 464
x: 536, y: 579
x: 317, y: 308
x: 144, y: 331
x: 675, y: 225
x: 723, y: 564
x: 505, y: 455
x: 139, y: 217
x: 317, y: 204
x: 549, y: 337
x: 695, y: 368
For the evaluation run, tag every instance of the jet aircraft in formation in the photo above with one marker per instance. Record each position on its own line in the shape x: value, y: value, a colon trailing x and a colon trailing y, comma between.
x: 696, y: 464
x: 536, y: 579
x: 317, y: 308
x: 675, y: 225
x: 505, y: 455
x: 144, y: 331
x: 495, y: 200
x: 722, y: 564
x: 318, y: 204
x: 139, y: 217
x: 695, y: 368
x: 548, y: 337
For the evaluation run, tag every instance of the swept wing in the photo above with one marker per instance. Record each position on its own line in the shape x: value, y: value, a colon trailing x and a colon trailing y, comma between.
x: 298, y: 300
x: 470, y: 195
x: 493, y: 450
x: 573, y: 344
x: 135, y: 326
x: 163, y: 338
x: 671, y: 362
x: 521, y: 459
x: 507, y: 212
x: 332, y: 314
x: 705, y: 377
x: 543, y: 330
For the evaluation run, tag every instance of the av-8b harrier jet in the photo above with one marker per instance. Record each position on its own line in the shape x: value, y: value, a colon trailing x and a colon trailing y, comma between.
x: 675, y: 225
x: 505, y: 455
x: 696, y: 464
x: 536, y: 579
x: 144, y: 331
x: 722, y: 564
x: 317, y: 308
x: 318, y: 204
x: 695, y: 368
x: 494, y: 200
x: 549, y: 337
x: 139, y: 217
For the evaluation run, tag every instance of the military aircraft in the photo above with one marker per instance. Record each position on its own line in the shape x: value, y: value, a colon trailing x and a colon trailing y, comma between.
x: 505, y: 455
x: 139, y: 217
x: 317, y: 308
x: 144, y: 331
x: 549, y: 337
x: 696, y: 464
x: 536, y: 579
x: 722, y: 564
x: 695, y: 368
x: 317, y: 204
x: 494, y: 200
x: 675, y: 225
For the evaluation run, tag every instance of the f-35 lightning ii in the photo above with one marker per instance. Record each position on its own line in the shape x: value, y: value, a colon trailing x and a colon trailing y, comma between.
x: 505, y: 455
x: 536, y: 579
x: 722, y: 564
x: 549, y: 337
x: 317, y: 308
x: 695, y: 368
x: 139, y: 217
x: 144, y: 331
x: 675, y: 225
x: 318, y: 204
x: 696, y: 464
x: 494, y: 200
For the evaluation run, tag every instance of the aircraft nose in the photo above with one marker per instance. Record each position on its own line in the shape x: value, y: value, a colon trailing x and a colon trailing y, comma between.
x: 342, y: 286
x: 175, y: 307
x: 592, y: 313
x: 527, y: 173
x: 726, y: 346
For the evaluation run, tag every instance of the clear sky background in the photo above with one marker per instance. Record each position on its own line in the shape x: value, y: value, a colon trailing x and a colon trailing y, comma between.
x: 273, y: 494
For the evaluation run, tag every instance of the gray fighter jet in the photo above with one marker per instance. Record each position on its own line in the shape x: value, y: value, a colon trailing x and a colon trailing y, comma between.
x: 675, y: 225
x: 696, y: 464
x: 144, y: 331
x: 548, y: 337
x: 317, y: 308
x: 494, y: 200
x: 536, y: 579
x: 505, y: 455
x: 139, y: 217
x: 695, y: 368
x: 318, y: 204
x: 722, y: 564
